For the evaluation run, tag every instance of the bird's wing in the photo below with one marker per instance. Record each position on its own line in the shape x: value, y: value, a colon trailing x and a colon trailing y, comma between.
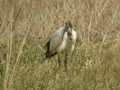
x: 56, y: 39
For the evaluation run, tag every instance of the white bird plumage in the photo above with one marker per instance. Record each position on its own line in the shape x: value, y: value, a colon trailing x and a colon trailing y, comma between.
x: 62, y: 41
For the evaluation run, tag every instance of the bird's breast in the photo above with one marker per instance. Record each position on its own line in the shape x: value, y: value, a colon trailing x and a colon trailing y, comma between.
x: 66, y: 44
x: 63, y: 44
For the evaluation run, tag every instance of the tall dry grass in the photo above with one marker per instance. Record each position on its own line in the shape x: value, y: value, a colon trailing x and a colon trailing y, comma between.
x: 26, y: 25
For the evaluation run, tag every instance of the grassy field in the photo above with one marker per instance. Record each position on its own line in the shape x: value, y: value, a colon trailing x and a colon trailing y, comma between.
x: 26, y: 25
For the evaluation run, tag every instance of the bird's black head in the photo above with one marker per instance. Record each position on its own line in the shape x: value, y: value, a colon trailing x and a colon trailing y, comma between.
x: 68, y: 25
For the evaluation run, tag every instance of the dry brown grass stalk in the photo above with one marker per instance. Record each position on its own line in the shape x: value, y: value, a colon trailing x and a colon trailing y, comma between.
x: 10, y: 42
x: 28, y: 29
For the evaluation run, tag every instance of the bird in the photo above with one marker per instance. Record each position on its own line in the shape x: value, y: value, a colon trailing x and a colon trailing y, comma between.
x: 61, y: 42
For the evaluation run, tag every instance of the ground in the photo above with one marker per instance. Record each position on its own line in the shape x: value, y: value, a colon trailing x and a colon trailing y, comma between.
x: 25, y: 27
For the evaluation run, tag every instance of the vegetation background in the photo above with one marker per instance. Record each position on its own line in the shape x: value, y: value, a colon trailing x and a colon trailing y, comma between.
x: 26, y: 25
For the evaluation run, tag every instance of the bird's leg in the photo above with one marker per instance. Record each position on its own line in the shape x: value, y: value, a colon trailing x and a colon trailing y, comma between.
x: 65, y: 61
x: 59, y: 60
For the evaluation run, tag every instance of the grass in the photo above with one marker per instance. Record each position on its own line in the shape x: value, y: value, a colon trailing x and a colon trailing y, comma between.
x: 25, y: 27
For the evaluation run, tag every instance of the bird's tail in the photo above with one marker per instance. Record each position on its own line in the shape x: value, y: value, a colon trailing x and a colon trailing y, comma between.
x: 48, y: 53
x: 47, y: 57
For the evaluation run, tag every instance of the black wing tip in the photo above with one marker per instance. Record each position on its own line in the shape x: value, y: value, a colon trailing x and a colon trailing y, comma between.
x: 50, y: 55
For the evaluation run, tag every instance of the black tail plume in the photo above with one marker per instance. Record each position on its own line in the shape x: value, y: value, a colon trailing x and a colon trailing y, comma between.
x: 48, y: 54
